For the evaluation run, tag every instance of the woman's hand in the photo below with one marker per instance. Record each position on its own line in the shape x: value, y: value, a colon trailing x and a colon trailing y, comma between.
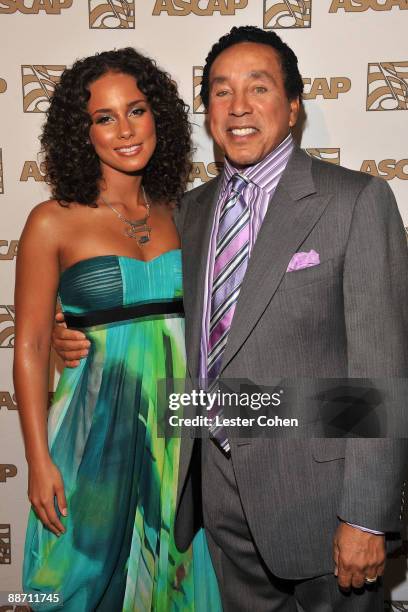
x: 44, y: 485
x: 69, y: 344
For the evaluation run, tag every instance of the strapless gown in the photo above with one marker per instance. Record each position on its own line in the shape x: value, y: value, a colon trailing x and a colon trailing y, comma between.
x: 120, y: 476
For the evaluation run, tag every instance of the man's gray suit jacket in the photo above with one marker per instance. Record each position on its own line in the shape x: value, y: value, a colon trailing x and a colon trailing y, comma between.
x: 346, y: 317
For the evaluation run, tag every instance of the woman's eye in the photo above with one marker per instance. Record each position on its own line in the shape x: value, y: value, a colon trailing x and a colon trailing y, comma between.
x: 260, y: 89
x: 103, y: 119
x: 138, y: 111
x: 221, y: 93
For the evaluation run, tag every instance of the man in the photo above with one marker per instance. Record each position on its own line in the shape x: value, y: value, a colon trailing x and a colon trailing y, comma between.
x: 292, y: 268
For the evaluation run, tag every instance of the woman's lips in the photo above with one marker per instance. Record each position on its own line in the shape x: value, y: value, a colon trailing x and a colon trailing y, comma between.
x: 129, y: 151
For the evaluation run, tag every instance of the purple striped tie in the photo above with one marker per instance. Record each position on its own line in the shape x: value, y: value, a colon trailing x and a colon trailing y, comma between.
x: 231, y: 260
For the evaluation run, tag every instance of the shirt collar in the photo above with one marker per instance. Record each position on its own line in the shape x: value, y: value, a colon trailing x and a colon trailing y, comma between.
x: 260, y: 174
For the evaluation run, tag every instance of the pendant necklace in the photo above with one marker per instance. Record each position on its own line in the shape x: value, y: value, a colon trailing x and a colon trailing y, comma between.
x: 136, y: 226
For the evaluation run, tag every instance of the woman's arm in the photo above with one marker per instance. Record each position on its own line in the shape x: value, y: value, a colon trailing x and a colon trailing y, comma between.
x: 35, y: 296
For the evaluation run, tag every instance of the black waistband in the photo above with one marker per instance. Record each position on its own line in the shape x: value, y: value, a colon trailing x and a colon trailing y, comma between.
x: 123, y: 313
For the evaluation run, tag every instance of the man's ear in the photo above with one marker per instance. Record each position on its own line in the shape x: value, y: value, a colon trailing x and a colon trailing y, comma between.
x: 294, y: 111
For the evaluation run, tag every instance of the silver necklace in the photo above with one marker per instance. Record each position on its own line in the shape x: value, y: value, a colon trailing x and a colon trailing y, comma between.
x: 136, y: 226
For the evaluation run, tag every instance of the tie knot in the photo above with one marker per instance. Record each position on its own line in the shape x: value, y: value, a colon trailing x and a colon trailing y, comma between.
x: 238, y: 183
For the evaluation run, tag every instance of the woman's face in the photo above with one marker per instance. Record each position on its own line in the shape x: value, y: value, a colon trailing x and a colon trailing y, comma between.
x: 123, y: 131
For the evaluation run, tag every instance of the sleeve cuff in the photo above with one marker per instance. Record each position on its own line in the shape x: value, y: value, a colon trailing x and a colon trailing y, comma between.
x: 363, y: 528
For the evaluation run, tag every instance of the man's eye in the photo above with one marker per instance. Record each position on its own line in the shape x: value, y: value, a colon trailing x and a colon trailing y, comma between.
x: 260, y: 89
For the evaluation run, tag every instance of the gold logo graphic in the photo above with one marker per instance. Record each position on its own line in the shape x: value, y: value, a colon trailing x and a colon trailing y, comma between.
x: 287, y: 14
x: 387, y: 169
x: 387, y: 86
x: 6, y: 326
x: 1, y: 173
x: 7, y: 471
x: 8, y: 250
x: 359, y: 6
x: 198, y: 106
x: 329, y: 89
x: 201, y: 172
x: 111, y: 14
x: 31, y: 170
x: 33, y: 7
x: 181, y: 8
x: 5, y: 545
x: 38, y: 86
x: 8, y: 401
x: 328, y: 155
x: 3, y: 86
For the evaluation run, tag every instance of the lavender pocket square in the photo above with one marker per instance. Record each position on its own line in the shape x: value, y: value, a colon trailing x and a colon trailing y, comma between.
x: 303, y: 260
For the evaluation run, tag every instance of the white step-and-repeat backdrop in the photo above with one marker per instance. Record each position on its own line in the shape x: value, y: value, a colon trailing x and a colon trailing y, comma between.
x: 353, y: 55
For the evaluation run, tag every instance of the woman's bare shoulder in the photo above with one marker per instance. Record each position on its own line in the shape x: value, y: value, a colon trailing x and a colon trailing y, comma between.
x: 50, y: 209
x: 49, y: 215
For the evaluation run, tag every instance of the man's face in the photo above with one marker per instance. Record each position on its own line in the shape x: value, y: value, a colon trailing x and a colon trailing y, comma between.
x: 249, y: 113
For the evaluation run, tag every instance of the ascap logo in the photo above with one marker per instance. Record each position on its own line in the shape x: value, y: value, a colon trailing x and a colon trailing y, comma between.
x: 386, y: 168
x: 3, y: 86
x: 181, y: 8
x: 5, y: 545
x: 287, y: 14
x: 6, y: 327
x: 359, y: 6
x: 8, y: 250
x: 104, y: 14
x: 198, y: 106
x: 1, y: 173
x: 7, y: 470
x: 200, y: 171
x: 31, y: 170
x: 328, y: 155
x: 329, y: 89
x: 38, y: 86
x: 33, y: 7
x: 8, y: 401
x: 387, y: 86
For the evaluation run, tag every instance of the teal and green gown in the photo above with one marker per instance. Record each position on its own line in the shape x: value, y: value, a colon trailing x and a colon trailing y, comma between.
x: 120, y: 477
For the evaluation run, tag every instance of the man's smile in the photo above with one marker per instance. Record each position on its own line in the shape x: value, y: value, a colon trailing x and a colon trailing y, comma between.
x: 242, y: 131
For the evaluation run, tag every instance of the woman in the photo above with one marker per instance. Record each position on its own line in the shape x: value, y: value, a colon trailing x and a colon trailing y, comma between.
x: 103, y: 485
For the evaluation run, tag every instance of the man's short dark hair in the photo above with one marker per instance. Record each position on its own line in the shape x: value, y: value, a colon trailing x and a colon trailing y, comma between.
x: 291, y: 76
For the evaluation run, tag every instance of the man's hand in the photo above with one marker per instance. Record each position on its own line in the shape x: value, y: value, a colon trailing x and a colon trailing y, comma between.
x: 69, y: 344
x: 357, y: 555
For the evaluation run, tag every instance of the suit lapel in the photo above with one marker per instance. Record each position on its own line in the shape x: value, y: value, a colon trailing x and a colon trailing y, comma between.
x: 292, y: 213
x: 195, y: 242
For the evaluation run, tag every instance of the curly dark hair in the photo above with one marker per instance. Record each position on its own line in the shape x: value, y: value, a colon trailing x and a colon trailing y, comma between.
x: 72, y: 167
x: 292, y: 80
